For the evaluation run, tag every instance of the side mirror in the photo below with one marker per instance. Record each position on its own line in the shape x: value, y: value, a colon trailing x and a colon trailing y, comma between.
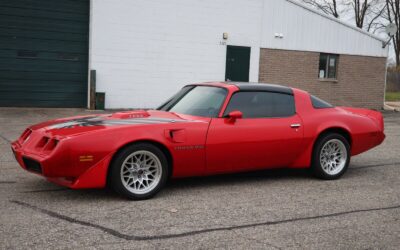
x: 233, y: 115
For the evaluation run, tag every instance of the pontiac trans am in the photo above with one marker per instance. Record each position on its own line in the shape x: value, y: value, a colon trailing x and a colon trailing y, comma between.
x: 205, y: 129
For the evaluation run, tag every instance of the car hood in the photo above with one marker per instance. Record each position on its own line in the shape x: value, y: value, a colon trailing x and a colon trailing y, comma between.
x: 83, y: 124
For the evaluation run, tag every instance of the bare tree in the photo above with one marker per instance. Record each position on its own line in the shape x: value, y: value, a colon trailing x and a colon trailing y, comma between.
x: 329, y: 7
x: 366, y: 13
x: 392, y: 15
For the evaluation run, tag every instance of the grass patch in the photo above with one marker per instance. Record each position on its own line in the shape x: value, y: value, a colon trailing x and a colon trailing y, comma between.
x: 392, y: 96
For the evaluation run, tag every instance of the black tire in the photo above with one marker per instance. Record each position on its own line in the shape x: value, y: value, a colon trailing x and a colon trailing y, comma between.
x: 115, y: 176
x: 317, y: 168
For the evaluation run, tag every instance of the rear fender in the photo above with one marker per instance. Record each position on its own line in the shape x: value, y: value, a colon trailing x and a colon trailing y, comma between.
x: 310, y: 138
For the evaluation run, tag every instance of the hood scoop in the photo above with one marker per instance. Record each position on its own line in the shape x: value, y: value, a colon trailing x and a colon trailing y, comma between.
x: 131, y: 114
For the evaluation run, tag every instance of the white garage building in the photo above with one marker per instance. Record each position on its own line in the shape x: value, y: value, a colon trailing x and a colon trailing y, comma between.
x: 144, y: 51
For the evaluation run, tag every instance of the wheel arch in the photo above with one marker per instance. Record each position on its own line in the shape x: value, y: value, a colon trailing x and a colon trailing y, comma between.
x: 338, y: 130
x: 159, y: 145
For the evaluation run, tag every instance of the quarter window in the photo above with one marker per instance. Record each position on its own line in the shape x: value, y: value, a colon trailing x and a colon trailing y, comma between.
x: 328, y: 66
x: 262, y: 104
x: 319, y: 104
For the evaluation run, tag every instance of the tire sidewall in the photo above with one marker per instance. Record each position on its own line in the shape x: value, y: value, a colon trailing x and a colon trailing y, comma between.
x: 316, y: 164
x: 116, y: 165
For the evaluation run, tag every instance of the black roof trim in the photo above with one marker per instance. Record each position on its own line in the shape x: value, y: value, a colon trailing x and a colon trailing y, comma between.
x: 263, y: 87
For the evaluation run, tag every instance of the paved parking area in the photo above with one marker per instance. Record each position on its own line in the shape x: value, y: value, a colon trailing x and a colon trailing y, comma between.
x: 280, y: 209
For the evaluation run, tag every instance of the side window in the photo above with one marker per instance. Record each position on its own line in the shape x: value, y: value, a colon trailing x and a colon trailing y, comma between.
x: 262, y: 104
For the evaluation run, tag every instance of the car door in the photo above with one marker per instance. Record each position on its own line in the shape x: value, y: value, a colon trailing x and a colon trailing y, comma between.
x: 269, y: 134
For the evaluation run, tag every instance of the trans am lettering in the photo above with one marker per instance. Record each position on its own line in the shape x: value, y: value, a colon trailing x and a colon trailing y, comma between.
x: 189, y: 147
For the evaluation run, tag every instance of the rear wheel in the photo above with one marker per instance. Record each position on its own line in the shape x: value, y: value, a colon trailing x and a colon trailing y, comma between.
x: 139, y: 171
x: 331, y: 156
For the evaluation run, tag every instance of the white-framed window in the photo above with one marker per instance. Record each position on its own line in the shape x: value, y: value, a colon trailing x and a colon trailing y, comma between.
x: 328, y: 66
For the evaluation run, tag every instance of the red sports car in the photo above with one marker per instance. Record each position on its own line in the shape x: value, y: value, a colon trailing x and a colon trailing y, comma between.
x: 205, y: 129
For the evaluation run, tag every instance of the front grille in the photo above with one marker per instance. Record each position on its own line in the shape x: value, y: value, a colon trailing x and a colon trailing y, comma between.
x: 32, y: 165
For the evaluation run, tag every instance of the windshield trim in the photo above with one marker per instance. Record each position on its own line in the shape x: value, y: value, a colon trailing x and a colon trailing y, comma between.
x: 175, y: 98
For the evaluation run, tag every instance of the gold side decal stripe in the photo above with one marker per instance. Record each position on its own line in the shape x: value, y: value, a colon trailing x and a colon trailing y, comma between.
x: 86, y: 158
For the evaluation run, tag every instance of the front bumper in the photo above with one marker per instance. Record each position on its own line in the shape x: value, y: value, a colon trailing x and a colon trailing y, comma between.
x: 50, y: 167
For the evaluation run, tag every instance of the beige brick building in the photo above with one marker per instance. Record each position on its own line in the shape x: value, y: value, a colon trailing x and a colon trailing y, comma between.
x: 359, y: 80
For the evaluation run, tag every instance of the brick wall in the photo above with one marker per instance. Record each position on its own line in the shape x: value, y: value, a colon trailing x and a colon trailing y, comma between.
x: 360, y: 79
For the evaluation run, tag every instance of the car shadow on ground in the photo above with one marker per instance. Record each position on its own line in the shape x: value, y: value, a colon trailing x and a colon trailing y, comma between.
x: 239, y: 178
x: 45, y: 188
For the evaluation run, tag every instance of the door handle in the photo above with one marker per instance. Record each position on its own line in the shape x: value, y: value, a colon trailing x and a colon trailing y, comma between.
x: 295, y: 125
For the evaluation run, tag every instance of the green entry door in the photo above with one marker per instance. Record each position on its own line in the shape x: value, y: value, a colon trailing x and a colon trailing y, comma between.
x: 237, y: 64
x: 44, y: 53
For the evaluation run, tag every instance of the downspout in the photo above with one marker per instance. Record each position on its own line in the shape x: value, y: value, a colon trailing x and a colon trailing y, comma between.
x: 90, y: 54
x: 386, y: 71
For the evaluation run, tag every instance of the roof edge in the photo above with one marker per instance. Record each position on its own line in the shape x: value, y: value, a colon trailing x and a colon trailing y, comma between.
x: 336, y: 20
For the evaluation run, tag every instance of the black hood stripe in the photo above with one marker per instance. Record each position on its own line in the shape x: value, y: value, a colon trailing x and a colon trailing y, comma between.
x: 100, y: 121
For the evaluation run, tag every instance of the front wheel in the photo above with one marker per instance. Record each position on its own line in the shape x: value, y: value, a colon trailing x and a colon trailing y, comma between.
x: 331, y: 156
x: 139, y: 171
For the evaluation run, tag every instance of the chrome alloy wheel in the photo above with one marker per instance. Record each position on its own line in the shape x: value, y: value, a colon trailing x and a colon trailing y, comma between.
x: 333, y: 157
x: 141, y: 172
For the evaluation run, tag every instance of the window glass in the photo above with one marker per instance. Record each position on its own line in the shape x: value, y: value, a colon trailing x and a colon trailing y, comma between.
x: 171, y: 101
x: 319, y: 104
x: 199, y: 101
x: 262, y: 104
x: 327, y: 66
x: 322, y: 66
x: 332, y: 66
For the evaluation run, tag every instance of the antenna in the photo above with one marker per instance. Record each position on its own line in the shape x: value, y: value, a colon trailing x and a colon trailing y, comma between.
x: 391, y: 30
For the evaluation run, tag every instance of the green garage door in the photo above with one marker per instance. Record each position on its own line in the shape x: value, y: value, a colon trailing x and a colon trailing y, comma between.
x: 43, y: 53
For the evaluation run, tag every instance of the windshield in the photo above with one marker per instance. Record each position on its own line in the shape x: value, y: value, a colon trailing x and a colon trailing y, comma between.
x: 197, y: 100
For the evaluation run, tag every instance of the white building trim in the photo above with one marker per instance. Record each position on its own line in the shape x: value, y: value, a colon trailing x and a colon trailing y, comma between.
x: 336, y: 20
